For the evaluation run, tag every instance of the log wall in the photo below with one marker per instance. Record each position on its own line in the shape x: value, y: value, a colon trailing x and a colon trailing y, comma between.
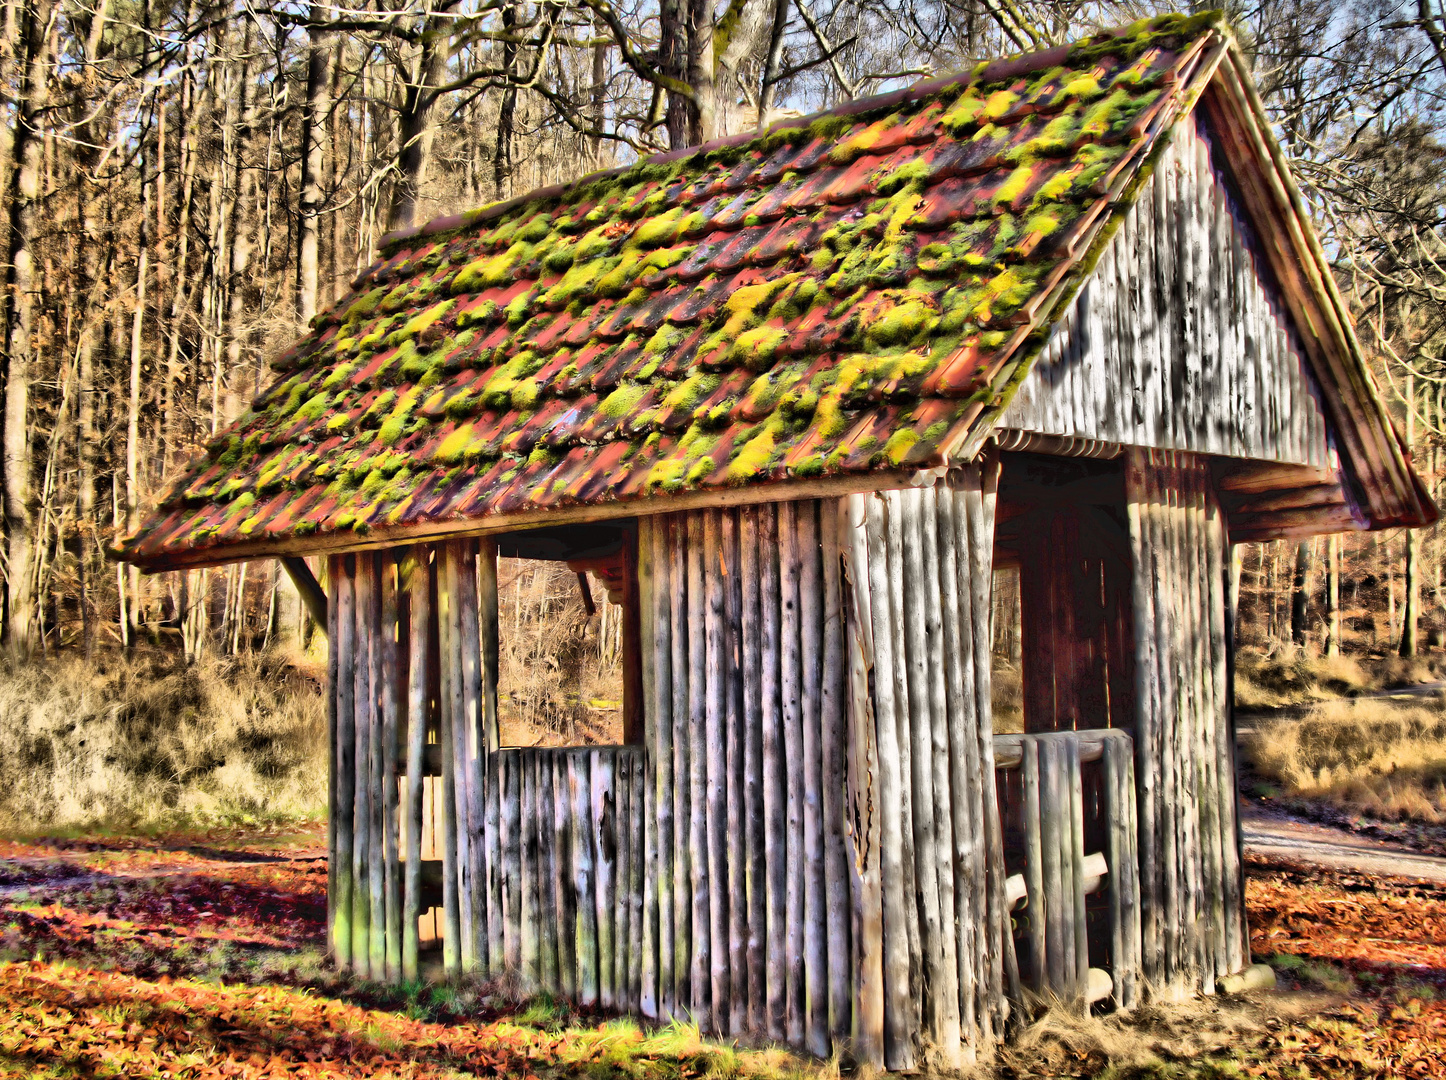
x: 1192, y: 902
x: 807, y: 844
x: 935, y: 957
x: 1067, y: 801
x: 1181, y: 291
x: 520, y: 860
x: 747, y: 885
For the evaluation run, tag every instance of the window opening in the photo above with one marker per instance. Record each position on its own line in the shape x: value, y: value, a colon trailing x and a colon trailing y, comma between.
x: 563, y: 628
x: 1006, y: 674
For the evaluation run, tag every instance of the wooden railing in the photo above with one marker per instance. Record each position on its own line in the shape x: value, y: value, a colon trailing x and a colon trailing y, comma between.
x: 1067, y: 802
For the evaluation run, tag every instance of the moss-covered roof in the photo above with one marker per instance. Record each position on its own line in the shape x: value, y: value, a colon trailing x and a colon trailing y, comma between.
x: 848, y: 292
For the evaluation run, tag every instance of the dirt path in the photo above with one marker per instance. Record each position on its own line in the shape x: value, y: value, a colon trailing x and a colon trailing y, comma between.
x: 1276, y: 834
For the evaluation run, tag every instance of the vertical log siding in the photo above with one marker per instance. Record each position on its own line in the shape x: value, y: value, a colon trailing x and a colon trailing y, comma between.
x: 934, y: 961
x: 807, y: 843
x: 1192, y: 909
x: 1182, y: 290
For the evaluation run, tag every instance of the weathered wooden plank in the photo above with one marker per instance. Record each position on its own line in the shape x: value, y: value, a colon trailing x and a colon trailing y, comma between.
x: 602, y: 821
x: 1168, y: 600
x: 646, y: 854
x: 580, y: 786
x: 451, y: 615
x: 908, y: 862
x: 414, y: 573
x: 1080, y: 938
x: 835, y: 737
x: 900, y: 1024
x: 1059, y: 922
x: 564, y: 784
x: 775, y: 764
x: 701, y: 974
x: 332, y: 816
x: 1237, y: 944
x: 732, y: 674
x: 549, y: 976
x: 965, y: 781
x: 657, y: 892
x: 940, y: 1017
x: 863, y: 802
x: 363, y: 710
x: 530, y: 944
x: 344, y: 687
x: 510, y: 837
x: 1036, y: 908
x: 622, y: 872
x: 715, y: 760
x: 1147, y: 692
x: 946, y: 988
x: 447, y: 816
x: 791, y: 681
x: 476, y: 683
x: 393, y: 672
x: 755, y: 853
x: 1213, y: 910
x: 980, y: 495
x: 379, y: 780
x: 682, y: 768
x: 815, y: 929
x: 493, y: 840
x: 638, y: 822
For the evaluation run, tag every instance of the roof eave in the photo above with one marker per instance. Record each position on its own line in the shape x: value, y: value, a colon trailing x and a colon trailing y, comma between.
x: 1373, y: 454
x: 347, y: 541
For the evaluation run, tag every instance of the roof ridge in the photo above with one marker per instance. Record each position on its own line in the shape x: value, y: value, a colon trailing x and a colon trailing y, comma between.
x: 1144, y: 31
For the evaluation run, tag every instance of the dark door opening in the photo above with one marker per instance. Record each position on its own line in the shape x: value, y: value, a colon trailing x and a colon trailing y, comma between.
x: 1062, y: 523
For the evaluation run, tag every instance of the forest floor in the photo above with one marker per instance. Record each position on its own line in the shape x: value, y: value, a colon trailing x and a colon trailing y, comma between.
x: 202, y: 956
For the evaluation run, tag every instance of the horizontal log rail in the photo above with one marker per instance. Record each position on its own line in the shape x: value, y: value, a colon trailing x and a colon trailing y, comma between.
x: 1054, y: 813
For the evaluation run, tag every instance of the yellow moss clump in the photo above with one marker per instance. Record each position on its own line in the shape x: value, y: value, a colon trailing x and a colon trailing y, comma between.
x: 492, y: 270
x: 454, y: 447
x: 756, y: 349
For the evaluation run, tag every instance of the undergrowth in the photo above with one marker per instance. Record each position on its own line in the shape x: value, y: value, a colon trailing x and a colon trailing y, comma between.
x: 148, y: 742
x: 1368, y: 756
x: 1293, y: 677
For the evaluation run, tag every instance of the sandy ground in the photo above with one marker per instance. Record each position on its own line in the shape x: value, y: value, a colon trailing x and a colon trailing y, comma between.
x: 1276, y: 834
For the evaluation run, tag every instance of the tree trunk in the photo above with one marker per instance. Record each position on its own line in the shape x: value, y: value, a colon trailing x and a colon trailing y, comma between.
x: 1300, y: 594
x: 26, y: 149
x: 1333, y: 595
x: 506, y: 114
x: 414, y: 125
x: 313, y: 139
x: 673, y: 62
x: 704, y: 112
x: 1410, y: 608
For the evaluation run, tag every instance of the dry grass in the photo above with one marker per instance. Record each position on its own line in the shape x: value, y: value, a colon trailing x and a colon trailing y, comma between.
x: 1369, y: 756
x: 148, y: 742
x: 1064, y: 1043
x: 1293, y: 677
x: 561, y: 674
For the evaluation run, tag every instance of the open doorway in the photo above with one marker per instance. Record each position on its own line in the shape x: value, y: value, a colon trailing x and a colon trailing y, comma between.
x: 1062, y: 523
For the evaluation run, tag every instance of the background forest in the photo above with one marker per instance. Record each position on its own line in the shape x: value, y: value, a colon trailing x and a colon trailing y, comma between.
x: 185, y: 183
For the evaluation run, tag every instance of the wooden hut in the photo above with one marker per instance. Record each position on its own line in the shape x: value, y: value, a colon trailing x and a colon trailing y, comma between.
x: 799, y: 393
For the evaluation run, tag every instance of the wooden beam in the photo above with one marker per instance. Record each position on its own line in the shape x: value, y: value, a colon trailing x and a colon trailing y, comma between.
x: 312, y: 594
